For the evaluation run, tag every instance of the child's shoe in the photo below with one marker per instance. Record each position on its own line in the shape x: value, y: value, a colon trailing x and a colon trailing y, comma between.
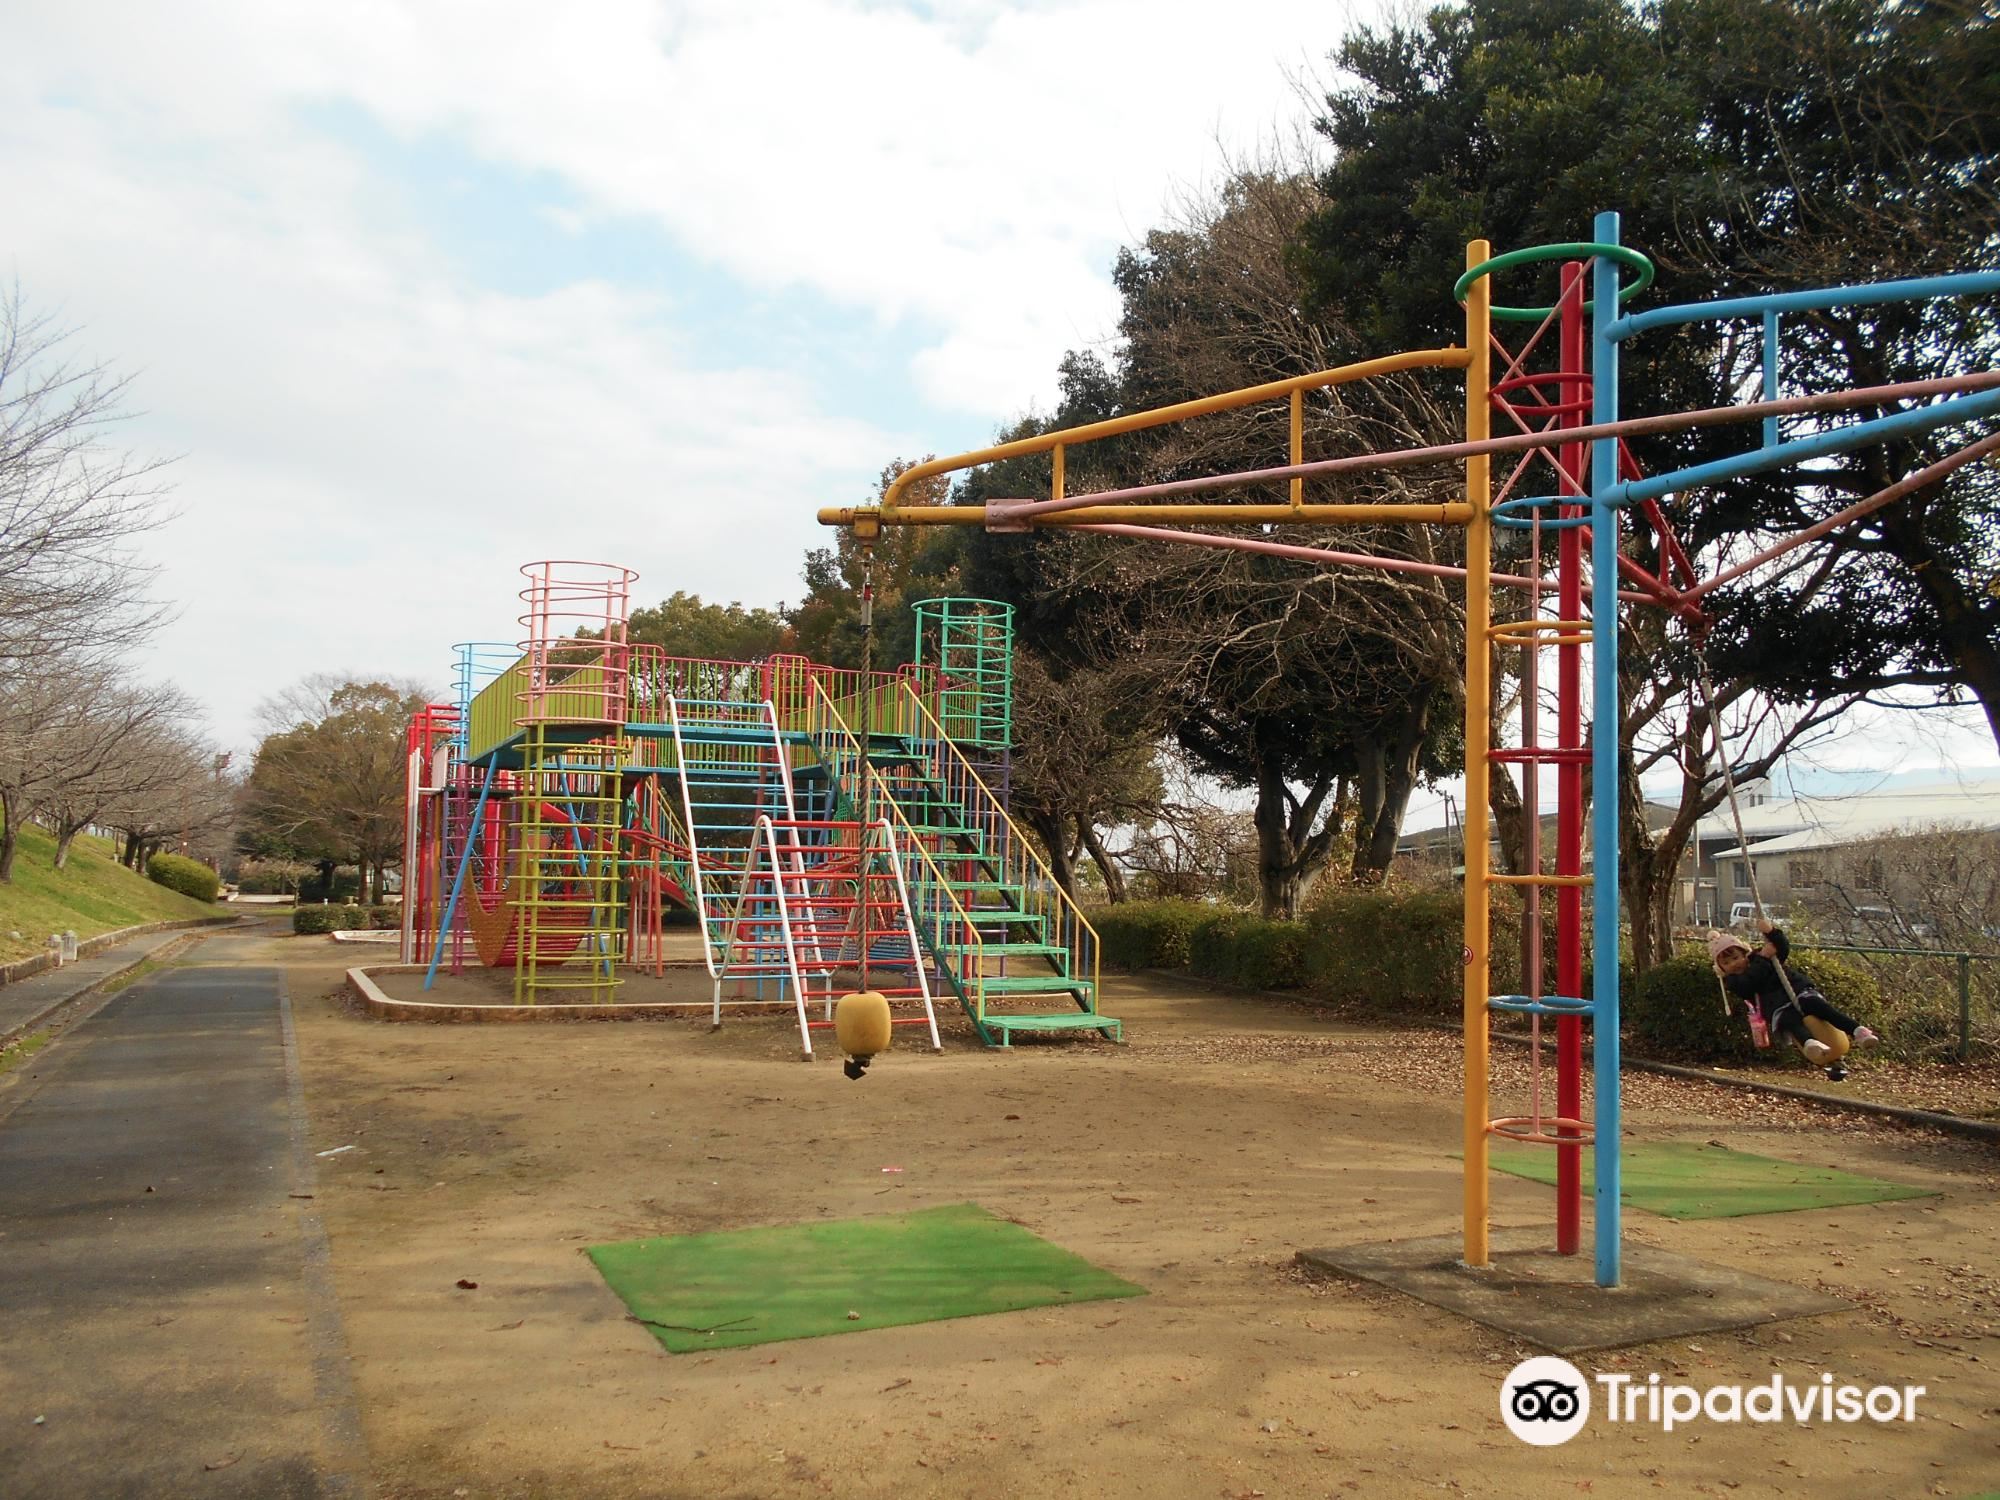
x: 1818, y: 1051
x: 1864, y: 1036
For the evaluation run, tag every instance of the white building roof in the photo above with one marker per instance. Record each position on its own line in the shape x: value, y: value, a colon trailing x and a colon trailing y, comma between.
x: 1803, y: 823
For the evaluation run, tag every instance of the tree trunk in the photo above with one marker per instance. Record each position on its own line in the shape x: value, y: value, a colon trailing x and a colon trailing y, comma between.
x: 65, y: 836
x: 1109, y: 868
x: 1646, y: 874
x: 1054, y: 835
x: 1388, y: 776
x: 1510, y: 818
x: 1285, y: 870
x: 8, y: 834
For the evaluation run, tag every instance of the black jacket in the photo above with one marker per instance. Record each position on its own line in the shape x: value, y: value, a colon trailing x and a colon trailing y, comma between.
x: 1760, y: 981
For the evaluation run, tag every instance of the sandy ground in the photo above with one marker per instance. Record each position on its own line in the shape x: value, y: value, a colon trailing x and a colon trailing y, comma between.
x: 1230, y: 1133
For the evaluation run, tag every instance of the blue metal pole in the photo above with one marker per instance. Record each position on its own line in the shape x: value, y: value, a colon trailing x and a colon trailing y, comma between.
x: 1604, y: 737
x: 1799, y: 450
x: 458, y: 879
x: 1864, y: 294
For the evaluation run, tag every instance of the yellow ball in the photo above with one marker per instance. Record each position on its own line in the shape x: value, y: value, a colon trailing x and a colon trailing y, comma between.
x: 1832, y: 1035
x: 861, y: 1022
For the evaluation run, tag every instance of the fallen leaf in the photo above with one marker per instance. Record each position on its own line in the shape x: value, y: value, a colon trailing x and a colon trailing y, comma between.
x: 467, y: 1286
x: 223, y: 1463
x: 504, y: 1327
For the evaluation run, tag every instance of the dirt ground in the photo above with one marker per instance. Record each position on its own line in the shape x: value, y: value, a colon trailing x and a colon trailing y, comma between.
x: 1196, y: 1161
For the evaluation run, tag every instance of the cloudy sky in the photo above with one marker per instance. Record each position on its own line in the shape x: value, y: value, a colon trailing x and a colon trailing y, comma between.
x: 419, y: 292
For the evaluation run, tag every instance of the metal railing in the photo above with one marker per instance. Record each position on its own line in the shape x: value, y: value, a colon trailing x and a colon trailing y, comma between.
x: 939, y: 917
x: 742, y: 755
x: 1962, y: 962
x: 1018, y: 866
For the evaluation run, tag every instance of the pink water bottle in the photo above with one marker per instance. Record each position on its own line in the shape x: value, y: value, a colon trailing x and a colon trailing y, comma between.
x: 1760, y: 1029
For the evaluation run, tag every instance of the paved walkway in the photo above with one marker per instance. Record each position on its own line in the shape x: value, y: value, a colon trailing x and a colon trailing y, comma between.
x: 26, y: 1001
x: 169, y: 1326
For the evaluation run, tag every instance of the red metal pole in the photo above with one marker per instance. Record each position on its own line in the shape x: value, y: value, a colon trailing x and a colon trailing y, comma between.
x: 1569, y: 783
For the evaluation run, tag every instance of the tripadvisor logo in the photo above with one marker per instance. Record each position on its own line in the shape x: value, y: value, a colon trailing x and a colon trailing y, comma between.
x: 1546, y: 1400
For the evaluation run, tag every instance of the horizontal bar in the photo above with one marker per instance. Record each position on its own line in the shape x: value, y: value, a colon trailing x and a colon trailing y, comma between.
x: 1883, y: 497
x: 1323, y: 556
x: 1962, y: 284
x: 1840, y: 440
x: 1416, y: 359
x: 1453, y: 513
x: 1563, y: 880
x: 1711, y: 416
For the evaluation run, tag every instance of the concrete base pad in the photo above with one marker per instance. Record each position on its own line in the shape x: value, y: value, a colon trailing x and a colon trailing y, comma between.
x: 1553, y: 1301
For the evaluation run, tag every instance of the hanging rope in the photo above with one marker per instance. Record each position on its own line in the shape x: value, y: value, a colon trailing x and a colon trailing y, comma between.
x: 867, y: 735
x: 1736, y: 817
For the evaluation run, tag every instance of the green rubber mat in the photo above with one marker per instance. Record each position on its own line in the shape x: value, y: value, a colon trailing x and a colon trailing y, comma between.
x: 799, y: 1281
x: 1682, y: 1180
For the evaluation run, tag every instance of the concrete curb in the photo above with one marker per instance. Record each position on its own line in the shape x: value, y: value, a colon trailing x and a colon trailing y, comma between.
x: 103, y: 981
x: 384, y: 1007
x: 1978, y: 1130
x: 27, y: 968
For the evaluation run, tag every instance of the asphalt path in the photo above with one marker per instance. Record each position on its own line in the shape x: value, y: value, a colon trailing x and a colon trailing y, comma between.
x: 167, y: 1324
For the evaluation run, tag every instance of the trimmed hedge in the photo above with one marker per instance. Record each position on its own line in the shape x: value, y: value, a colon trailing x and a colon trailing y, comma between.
x: 1390, y: 950
x: 188, y: 876
x: 1217, y: 942
x: 1148, y: 934
x: 322, y: 919
x: 1401, y: 951
x: 1398, y: 952
x: 1675, y: 1008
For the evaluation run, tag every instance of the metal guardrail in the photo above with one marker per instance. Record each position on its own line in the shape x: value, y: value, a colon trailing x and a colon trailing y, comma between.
x: 1962, y: 958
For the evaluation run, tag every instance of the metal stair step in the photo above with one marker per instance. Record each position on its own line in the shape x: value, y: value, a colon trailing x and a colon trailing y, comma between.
x: 1007, y: 949
x: 1039, y: 984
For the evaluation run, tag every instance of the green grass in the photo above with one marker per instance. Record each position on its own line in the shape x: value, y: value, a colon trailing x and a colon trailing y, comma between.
x: 727, y: 1289
x: 92, y: 894
x: 13, y: 1056
x: 1683, y: 1180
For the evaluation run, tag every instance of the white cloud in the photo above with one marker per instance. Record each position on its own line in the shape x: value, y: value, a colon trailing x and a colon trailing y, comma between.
x: 914, y: 165
x: 373, y: 440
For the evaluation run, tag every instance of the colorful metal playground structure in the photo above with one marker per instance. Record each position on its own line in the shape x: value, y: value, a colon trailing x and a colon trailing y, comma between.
x: 1559, y: 396
x: 828, y: 830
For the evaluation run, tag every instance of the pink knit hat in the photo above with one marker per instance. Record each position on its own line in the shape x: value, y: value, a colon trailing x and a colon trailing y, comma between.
x: 1720, y: 943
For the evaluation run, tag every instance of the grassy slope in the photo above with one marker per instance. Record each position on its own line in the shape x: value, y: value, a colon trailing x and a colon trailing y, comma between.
x: 92, y: 894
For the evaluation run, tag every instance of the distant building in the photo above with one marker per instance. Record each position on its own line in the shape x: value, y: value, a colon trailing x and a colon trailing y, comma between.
x: 1796, y: 846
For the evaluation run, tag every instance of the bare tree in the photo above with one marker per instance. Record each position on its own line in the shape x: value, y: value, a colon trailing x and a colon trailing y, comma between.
x: 1079, y: 765
x: 328, y: 780
x: 118, y: 741
x: 1194, y: 846
x: 71, y: 506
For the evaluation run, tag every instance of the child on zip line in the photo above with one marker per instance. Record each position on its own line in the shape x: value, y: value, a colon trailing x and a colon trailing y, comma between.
x: 1759, y: 981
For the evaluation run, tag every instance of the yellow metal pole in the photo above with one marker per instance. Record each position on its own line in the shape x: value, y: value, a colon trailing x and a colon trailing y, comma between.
x: 1298, y: 448
x: 1388, y: 364
x: 1056, y: 491
x: 1478, y: 691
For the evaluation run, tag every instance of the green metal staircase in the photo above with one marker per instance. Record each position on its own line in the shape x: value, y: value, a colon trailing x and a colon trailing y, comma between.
x: 1007, y: 941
